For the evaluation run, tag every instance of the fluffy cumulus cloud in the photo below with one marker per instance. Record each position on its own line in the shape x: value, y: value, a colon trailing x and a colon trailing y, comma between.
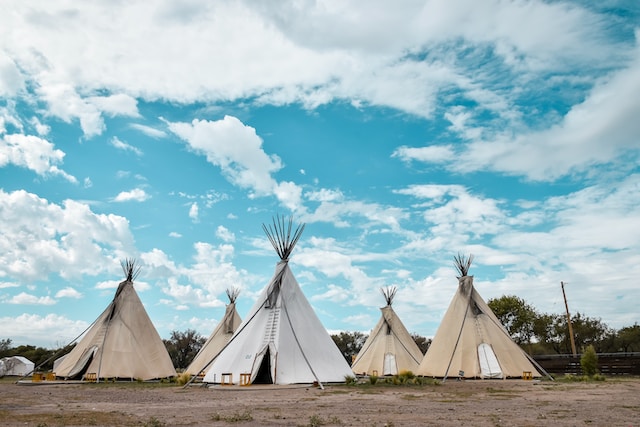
x: 34, y: 153
x: 38, y: 238
x: 237, y: 150
x: 290, y: 53
x: 68, y: 292
x: 49, y: 330
x: 135, y: 195
x: 24, y: 298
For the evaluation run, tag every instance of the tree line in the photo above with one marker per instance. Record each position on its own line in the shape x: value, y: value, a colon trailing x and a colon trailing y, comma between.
x: 535, y: 332
x: 542, y: 333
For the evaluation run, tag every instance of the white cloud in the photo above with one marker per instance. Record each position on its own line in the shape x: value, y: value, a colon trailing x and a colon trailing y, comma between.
x: 310, y: 53
x: 24, y: 298
x: 53, y: 237
x: 33, y: 153
x: 116, y: 105
x: 49, y: 331
x: 11, y: 80
x: 137, y: 195
x: 334, y: 294
x: 599, y: 130
x: 41, y: 129
x: 68, y: 292
x: 194, y: 212
x: 149, y: 131
x: 223, y: 233
x: 65, y: 103
x: 431, y: 154
x: 4, y: 285
x: 235, y: 148
x: 121, y: 145
x: 175, y: 235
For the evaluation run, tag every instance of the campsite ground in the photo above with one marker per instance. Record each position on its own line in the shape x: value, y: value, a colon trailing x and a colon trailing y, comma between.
x: 614, y: 402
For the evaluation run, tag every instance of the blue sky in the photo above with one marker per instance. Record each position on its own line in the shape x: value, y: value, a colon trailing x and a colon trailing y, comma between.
x: 401, y: 134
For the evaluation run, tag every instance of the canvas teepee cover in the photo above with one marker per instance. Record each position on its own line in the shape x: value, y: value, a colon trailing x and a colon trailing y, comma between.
x: 219, y: 337
x: 16, y: 365
x: 281, y: 341
x: 389, y: 349
x: 121, y: 343
x: 471, y: 341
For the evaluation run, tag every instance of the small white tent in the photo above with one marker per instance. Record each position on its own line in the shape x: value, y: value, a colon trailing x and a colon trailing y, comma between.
x: 219, y: 337
x: 471, y: 342
x: 16, y: 365
x: 389, y: 349
x: 281, y: 341
x: 121, y: 343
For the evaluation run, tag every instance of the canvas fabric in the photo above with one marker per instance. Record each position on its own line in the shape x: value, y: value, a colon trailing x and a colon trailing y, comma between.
x: 470, y: 318
x: 216, y: 341
x: 122, y: 343
x: 16, y: 365
x: 397, y: 348
x: 283, y: 321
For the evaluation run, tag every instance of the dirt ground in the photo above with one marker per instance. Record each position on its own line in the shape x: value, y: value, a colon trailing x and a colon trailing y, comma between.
x: 614, y: 402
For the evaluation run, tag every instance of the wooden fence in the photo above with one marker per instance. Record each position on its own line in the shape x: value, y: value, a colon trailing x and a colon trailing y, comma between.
x: 608, y: 363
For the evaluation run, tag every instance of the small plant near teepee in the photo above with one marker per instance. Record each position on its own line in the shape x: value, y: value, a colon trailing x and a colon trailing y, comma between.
x: 350, y: 380
x: 589, y: 361
x: 183, y: 378
x: 373, y: 379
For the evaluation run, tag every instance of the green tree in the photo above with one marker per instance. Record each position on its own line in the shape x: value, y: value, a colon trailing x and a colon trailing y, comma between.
x: 5, y: 347
x: 516, y: 315
x: 423, y: 343
x: 544, y: 334
x: 628, y: 338
x: 586, y: 331
x: 589, y: 361
x: 183, y: 347
x: 349, y: 343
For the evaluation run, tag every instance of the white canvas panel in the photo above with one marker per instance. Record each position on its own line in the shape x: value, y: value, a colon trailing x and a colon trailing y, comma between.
x: 489, y: 366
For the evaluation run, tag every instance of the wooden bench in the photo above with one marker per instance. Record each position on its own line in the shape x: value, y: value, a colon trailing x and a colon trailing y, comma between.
x: 527, y: 375
x: 91, y: 377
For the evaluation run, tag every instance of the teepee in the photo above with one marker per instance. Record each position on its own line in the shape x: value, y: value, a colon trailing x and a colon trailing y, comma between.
x: 471, y: 342
x: 121, y: 343
x: 281, y: 341
x: 389, y: 349
x: 219, y: 337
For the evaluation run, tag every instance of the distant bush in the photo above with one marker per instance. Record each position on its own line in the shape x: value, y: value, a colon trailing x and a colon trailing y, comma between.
x: 373, y: 379
x: 183, y: 378
x: 350, y: 380
x: 589, y: 361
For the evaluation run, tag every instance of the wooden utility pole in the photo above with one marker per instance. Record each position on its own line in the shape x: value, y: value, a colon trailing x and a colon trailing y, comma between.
x: 573, y: 341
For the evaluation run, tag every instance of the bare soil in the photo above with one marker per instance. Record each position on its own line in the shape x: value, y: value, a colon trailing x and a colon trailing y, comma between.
x: 614, y: 402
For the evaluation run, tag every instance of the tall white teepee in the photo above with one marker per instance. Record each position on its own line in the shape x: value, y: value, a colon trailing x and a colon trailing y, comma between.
x: 219, y: 337
x: 281, y: 341
x: 121, y: 343
x: 389, y: 349
x: 471, y: 342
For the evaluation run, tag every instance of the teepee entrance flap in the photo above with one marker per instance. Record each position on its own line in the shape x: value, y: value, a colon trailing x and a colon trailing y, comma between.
x: 489, y: 365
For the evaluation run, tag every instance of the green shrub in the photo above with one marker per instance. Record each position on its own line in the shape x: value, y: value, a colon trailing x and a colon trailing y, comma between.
x: 373, y: 379
x: 589, y: 361
x: 183, y: 378
x: 350, y: 380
